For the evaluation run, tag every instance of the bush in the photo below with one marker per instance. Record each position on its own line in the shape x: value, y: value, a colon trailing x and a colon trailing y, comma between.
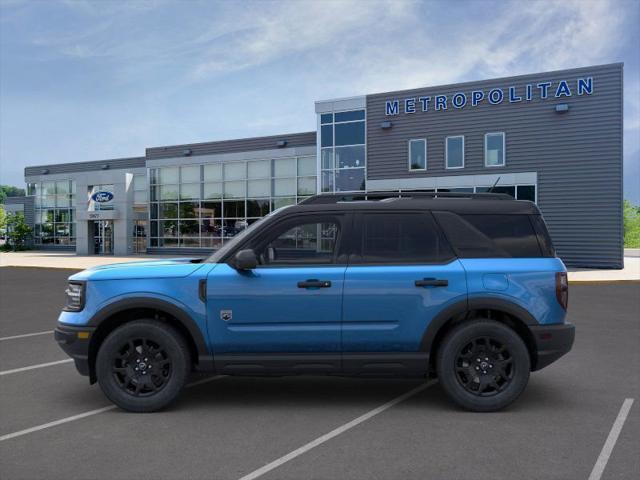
x: 17, y: 231
x: 631, y: 225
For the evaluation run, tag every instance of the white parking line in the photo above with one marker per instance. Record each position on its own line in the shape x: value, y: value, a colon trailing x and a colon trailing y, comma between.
x: 32, y: 367
x: 334, y: 433
x: 24, y: 335
x: 601, y: 463
x: 90, y: 413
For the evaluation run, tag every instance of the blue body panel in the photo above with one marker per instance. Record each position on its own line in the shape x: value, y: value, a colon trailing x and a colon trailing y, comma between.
x: 175, y: 282
x: 385, y: 312
x: 269, y: 313
x: 366, y: 309
x: 527, y: 282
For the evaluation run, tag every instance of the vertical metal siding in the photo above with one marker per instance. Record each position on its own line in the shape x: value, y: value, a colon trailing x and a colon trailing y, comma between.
x: 577, y: 155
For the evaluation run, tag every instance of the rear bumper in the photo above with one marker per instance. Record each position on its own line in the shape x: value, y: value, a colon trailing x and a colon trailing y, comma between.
x: 552, y: 342
x: 75, y: 345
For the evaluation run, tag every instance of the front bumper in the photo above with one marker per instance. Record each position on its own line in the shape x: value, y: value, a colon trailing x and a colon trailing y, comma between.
x: 75, y: 343
x: 552, y: 342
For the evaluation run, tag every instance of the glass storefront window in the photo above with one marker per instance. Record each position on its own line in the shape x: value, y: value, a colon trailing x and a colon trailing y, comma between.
x: 350, y: 157
x: 190, y: 174
x: 259, y: 188
x: 54, y: 212
x: 169, y: 192
x: 213, y: 172
x: 259, y: 169
x: 284, y: 167
x: 213, y: 190
x: 234, y: 189
x: 189, y: 191
x: 214, y: 197
x: 235, y: 171
x: 349, y: 180
x: 284, y: 187
x: 168, y: 175
x: 306, y: 166
x: 306, y: 185
x: 343, y: 148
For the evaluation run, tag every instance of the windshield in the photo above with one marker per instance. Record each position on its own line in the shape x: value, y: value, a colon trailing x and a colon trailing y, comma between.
x: 216, y: 256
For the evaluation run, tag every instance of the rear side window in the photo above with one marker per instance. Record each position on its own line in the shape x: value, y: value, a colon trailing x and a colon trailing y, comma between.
x: 402, y: 238
x: 544, y: 239
x: 490, y: 236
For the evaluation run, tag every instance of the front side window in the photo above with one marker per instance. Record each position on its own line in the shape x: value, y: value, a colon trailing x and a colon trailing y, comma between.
x: 494, y: 146
x: 402, y: 238
x: 418, y: 154
x: 303, y: 243
x: 454, y: 152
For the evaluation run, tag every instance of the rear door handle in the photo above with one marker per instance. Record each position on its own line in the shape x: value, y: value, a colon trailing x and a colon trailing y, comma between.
x: 432, y: 282
x: 314, y: 284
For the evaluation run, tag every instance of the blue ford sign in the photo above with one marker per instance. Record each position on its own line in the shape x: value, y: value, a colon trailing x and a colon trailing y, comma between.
x: 493, y: 96
x: 102, y: 197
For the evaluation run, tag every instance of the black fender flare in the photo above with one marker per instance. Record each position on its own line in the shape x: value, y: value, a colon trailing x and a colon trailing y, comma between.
x: 204, y: 360
x: 463, y: 307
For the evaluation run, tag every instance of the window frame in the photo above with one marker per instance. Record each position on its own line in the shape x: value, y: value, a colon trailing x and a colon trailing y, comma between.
x: 426, y: 163
x: 446, y: 152
x: 261, y: 238
x: 504, y: 149
x: 357, y: 240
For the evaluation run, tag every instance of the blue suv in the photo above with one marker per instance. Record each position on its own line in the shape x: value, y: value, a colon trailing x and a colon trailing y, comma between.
x: 460, y: 286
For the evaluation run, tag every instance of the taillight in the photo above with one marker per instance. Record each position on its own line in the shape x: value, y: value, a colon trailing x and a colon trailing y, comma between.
x: 562, y: 289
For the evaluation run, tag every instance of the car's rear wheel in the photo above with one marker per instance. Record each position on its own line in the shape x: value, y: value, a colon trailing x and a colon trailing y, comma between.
x: 143, y: 365
x: 483, y: 365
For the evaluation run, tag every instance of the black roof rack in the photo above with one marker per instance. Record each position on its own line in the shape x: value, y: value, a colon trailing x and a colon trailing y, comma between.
x: 328, y: 198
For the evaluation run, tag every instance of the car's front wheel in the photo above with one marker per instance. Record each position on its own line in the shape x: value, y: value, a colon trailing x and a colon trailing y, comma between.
x: 143, y: 365
x: 483, y: 365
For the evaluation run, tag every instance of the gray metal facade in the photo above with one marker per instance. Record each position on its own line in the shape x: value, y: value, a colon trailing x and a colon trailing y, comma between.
x: 92, y: 166
x: 290, y: 140
x: 574, y: 158
x: 577, y: 155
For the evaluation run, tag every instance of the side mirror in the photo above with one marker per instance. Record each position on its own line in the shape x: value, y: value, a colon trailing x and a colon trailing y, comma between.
x: 245, y: 260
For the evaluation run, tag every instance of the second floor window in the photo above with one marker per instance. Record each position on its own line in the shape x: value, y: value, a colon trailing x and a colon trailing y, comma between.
x: 418, y: 154
x: 494, y: 146
x: 454, y: 152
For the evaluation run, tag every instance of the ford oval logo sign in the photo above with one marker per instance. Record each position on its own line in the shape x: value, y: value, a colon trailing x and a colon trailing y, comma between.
x: 102, y: 197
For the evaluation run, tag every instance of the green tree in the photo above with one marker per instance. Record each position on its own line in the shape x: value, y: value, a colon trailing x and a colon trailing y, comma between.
x: 17, y: 231
x: 10, y: 191
x: 631, y: 225
x: 3, y: 220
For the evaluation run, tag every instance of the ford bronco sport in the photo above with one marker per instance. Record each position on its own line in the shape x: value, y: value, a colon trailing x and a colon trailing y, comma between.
x: 460, y: 286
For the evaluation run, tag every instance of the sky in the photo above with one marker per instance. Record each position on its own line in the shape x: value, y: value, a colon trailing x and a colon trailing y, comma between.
x: 88, y: 80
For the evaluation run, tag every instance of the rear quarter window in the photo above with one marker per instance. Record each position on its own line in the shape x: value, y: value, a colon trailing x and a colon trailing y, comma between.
x: 491, y: 235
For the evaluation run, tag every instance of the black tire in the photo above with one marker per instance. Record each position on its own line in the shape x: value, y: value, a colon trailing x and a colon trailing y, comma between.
x: 483, y: 365
x: 143, y: 365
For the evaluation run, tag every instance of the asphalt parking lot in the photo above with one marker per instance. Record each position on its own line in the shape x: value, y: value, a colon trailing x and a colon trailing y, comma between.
x: 317, y: 428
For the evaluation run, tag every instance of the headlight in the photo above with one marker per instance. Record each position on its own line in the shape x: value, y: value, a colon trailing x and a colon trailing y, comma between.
x: 75, y: 297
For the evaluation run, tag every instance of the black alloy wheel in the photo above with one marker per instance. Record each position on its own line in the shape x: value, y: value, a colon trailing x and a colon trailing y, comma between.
x: 143, y: 365
x: 483, y: 365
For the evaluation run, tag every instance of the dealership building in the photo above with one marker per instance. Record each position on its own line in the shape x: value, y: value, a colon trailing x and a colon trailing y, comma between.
x: 553, y: 138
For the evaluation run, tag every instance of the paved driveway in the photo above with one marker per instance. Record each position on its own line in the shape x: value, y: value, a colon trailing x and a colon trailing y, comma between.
x: 54, y: 425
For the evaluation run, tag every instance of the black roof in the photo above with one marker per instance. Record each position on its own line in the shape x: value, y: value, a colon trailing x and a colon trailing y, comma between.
x: 458, y: 203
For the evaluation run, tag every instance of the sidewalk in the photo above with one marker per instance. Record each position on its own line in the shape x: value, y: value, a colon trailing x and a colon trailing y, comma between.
x: 49, y: 259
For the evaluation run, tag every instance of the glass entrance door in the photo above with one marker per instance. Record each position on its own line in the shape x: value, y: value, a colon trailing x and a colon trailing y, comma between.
x: 103, y: 237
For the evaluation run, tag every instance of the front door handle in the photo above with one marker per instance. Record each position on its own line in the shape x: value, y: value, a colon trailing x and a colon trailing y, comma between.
x: 432, y: 282
x: 314, y: 284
